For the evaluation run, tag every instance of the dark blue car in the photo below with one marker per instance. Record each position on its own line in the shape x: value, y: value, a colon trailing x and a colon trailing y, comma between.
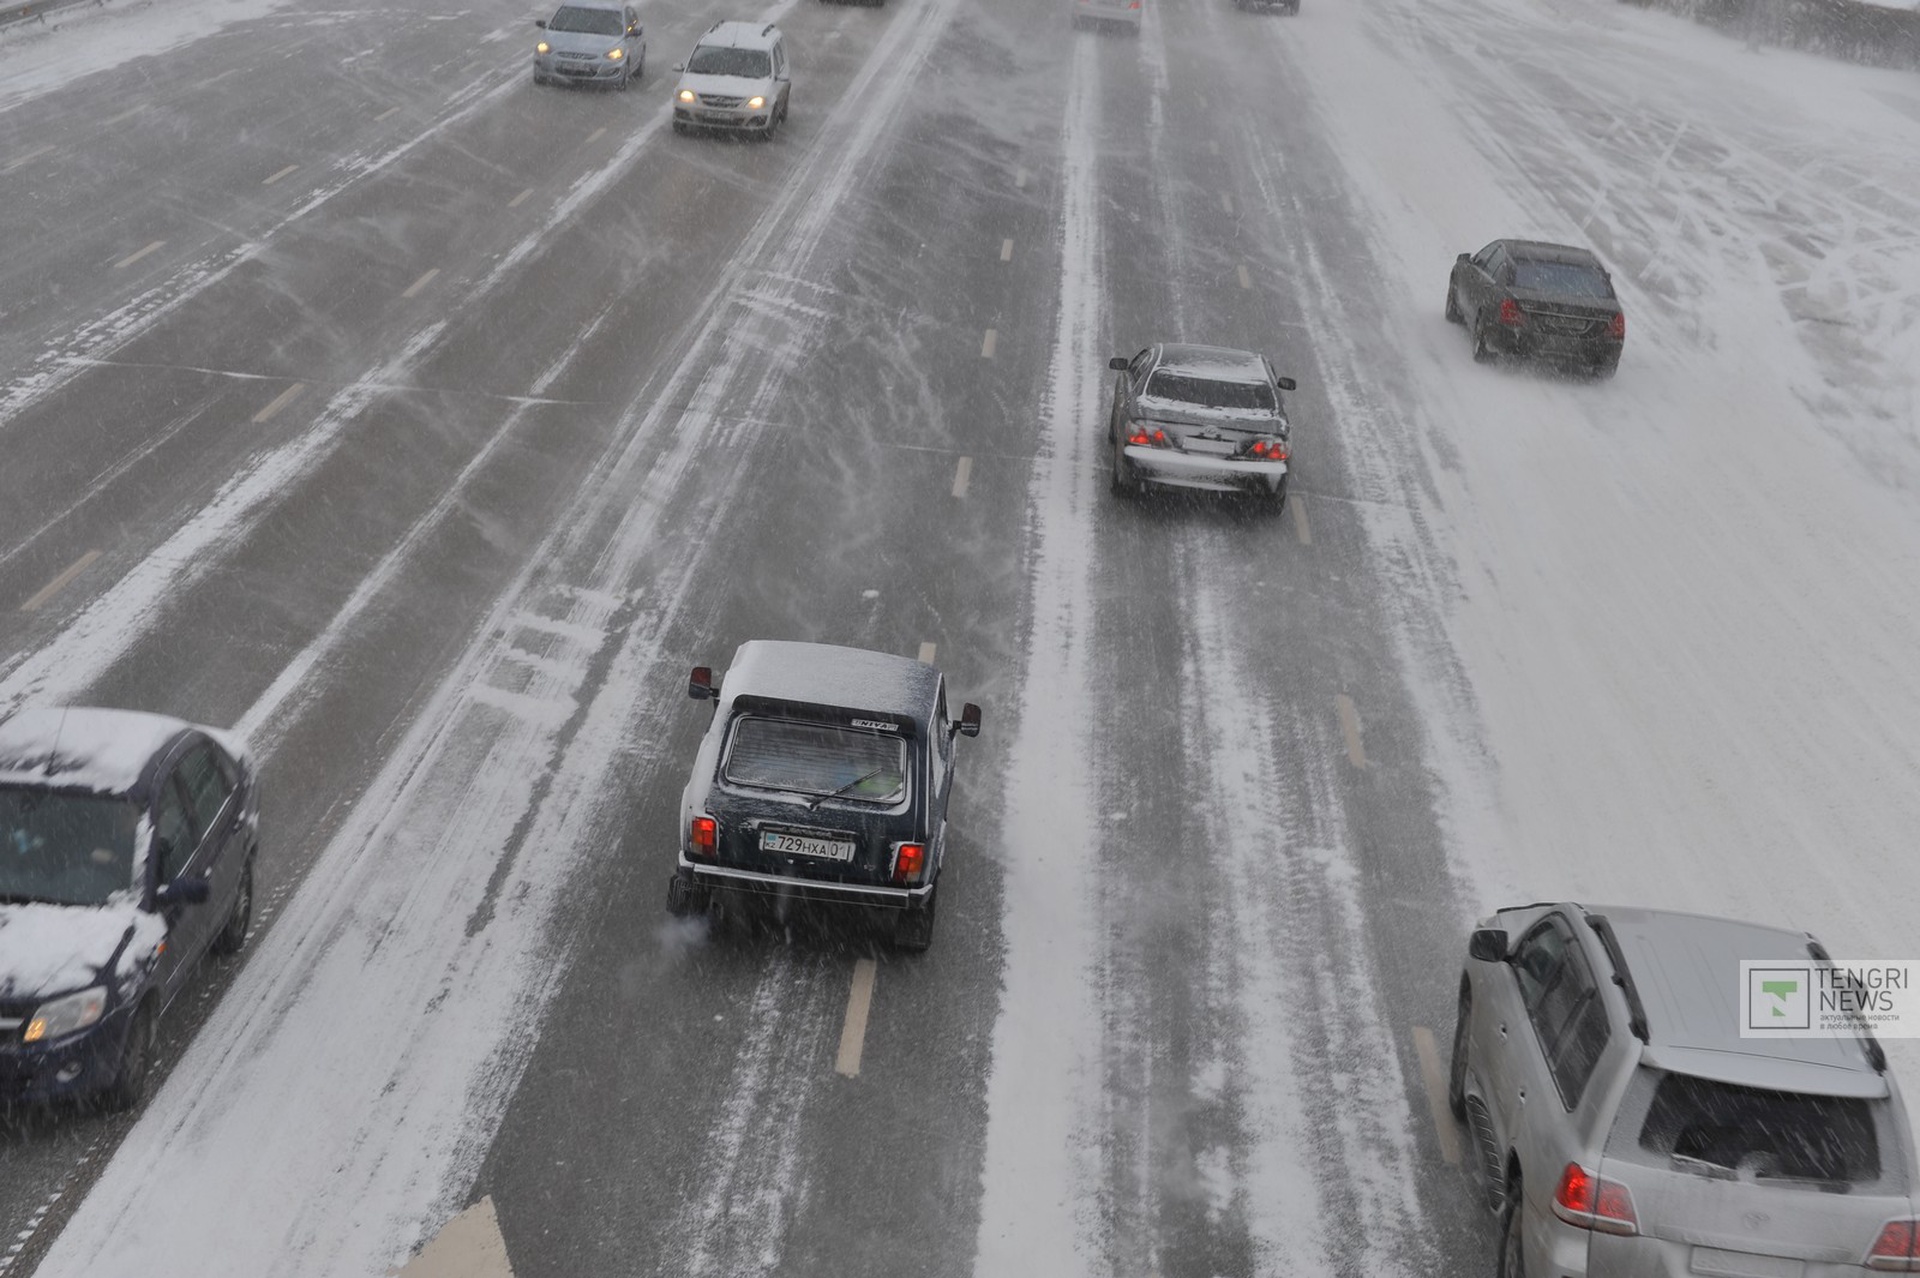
x: 127, y: 846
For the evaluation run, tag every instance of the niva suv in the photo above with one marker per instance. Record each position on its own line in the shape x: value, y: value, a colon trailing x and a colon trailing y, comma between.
x: 1625, y: 1127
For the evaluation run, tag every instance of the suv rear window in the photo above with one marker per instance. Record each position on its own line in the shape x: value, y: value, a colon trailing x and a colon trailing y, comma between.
x: 1763, y: 1134
x: 818, y: 759
x: 720, y: 59
x: 1206, y: 392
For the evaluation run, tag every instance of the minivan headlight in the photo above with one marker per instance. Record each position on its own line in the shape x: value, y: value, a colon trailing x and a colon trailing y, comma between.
x: 543, y: 47
x: 686, y: 95
x: 58, y: 1017
x: 755, y: 102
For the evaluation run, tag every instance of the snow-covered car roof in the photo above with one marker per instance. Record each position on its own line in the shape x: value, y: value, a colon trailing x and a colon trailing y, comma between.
x: 1221, y: 363
x: 80, y: 748
x: 821, y: 674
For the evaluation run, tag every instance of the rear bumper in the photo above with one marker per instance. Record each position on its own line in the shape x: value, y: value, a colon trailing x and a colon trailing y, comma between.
x: 1531, y: 343
x: 758, y: 882
x: 1173, y: 469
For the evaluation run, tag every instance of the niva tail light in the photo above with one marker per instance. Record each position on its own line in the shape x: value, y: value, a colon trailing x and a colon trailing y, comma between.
x: 909, y: 862
x: 703, y: 837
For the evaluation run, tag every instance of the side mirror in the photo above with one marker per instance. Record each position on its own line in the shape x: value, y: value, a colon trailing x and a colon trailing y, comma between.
x: 969, y: 724
x: 1287, y: 383
x: 541, y: 23
x: 1487, y: 945
x: 193, y: 891
x: 1464, y: 257
x: 1119, y: 363
x: 679, y: 66
x: 700, y: 684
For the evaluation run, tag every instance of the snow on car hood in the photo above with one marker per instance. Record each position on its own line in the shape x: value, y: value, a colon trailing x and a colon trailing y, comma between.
x: 56, y: 949
x: 732, y: 86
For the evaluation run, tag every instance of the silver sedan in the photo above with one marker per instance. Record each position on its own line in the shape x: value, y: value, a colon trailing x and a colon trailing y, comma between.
x: 1199, y: 417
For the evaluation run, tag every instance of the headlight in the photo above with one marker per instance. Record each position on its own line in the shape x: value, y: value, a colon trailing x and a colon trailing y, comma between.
x: 687, y: 95
x: 543, y: 47
x: 58, y: 1017
x: 616, y: 54
x: 755, y: 102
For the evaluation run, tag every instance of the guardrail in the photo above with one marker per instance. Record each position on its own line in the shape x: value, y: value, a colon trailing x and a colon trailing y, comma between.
x: 1849, y: 29
x: 13, y: 14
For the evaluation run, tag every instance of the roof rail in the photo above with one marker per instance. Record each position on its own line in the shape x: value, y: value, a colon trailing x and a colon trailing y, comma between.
x: 1531, y: 905
x: 767, y: 30
x: 1876, y: 1055
x: 1636, y: 1010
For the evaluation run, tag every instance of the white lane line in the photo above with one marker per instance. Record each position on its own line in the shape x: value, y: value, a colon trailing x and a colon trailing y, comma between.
x: 384, y: 114
x: 1350, y: 729
x: 597, y: 134
x: 22, y: 158
x: 519, y: 199
x: 1246, y: 280
x: 131, y: 258
x: 59, y: 583
x: 853, y: 1035
x: 291, y: 168
x: 1006, y: 250
x: 1226, y: 203
x: 1429, y: 1053
x: 926, y: 652
x: 279, y: 402
x: 122, y: 117
x: 987, y: 344
x: 1019, y: 178
x: 413, y: 289
x: 962, y: 476
x: 1300, y: 529
x: 468, y: 1246
x: 1213, y: 146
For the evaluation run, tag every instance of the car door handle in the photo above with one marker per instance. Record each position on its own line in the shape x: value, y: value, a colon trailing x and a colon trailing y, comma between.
x: 1523, y: 1096
x: 1503, y: 1031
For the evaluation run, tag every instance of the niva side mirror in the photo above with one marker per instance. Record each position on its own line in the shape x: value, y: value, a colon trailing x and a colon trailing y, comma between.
x: 700, y: 684
x: 969, y: 724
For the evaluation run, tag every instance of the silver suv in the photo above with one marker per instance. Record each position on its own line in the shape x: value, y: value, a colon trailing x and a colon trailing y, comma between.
x: 1624, y: 1126
x: 736, y: 78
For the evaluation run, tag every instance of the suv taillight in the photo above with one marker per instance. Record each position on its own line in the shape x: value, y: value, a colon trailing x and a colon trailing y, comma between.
x: 909, y: 862
x: 1510, y: 312
x: 1137, y: 433
x: 1617, y: 326
x: 1897, y: 1250
x: 1593, y: 1202
x: 703, y: 836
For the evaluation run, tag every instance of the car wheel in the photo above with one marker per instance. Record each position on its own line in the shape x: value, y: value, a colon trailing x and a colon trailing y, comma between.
x: 233, y: 934
x: 1605, y: 369
x: 1483, y: 352
x: 1457, y: 1074
x: 1453, y: 307
x: 626, y: 78
x: 129, y: 1085
x: 1123, y: 481
x: 1513, y: 1259
x: 913, y: 930
x: 684, y: 897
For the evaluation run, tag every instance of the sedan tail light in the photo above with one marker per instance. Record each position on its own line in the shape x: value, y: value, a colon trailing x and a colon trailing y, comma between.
x: 1138, y: 433
x: 909, y: 862
x: 1617, y: 326
x: 1267, y: 449
x: 1588, y: 1201
x: 1897, y: 1250
x: 1510, y: 312
x: 704, y: 836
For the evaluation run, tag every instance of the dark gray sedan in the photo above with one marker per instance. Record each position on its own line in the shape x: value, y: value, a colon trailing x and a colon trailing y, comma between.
x: 1547, y: 302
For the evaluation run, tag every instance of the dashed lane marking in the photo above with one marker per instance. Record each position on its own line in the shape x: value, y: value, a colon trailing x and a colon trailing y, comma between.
x: 60, y: 583
x: 987, y: 343
x: 1006, y: 250
x: 384, y: 114
x: 22, y: 158
x: 1350, y: 728
x: 1019, y: 179
x: 926, y: 652
x: 597, y: 134
x: 519, y: 199
x: 1226, y: 203
x: 123, y: 117
x: 962, y: 476
x: 1429, y: 1053
x: 131, y: 258
x: 291, y: 168
x: 1300, y: 528
x: 1213, y: 146
x: 413, y: 289
x: 279, y: 402
x: 853, y: 1034
x: 1246, y: 280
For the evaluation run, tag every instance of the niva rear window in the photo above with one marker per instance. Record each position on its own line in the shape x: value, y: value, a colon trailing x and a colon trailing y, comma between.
x: 1721, y: 1128
x: 817, y: 759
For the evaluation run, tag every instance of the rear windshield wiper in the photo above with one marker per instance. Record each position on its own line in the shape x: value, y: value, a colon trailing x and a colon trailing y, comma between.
x: 841, y: 792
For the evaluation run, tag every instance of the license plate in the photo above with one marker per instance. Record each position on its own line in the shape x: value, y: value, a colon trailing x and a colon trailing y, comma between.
x: 1212, y: 447
x: 712, y: 117
x: 805, y: 845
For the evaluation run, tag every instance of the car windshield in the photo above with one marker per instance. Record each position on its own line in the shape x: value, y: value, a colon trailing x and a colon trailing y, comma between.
x: 1762, y: 1134
x: 1567, y: 279
x: 818, y: 759
x: 586, y: 21
x: 718, y: 59
x: 1208, y: 392
x: 65, y: 848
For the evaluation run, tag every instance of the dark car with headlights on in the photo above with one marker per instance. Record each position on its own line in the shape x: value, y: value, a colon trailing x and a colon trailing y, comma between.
x: 1548, y: 302
x: 127, y: 846
x: 824, y: 778
x: 1202, y: 418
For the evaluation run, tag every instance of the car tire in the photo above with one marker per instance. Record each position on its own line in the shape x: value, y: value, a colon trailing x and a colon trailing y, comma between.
x: 1512, y: 1261
x: 1453, y: 307
x: 686, y: 898
x: 1276, y: 501
x: 129, y: 1085
x: 1605, y: 369
x: 1483, y: 352
x: 232, y: 936
x: 626, y: 78
x: 1457, y: 1070
x: 913, y: 930
x: 1122, y: 480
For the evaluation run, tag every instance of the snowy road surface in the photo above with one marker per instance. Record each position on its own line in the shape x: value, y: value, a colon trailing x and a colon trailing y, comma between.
x: 428, y: 426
